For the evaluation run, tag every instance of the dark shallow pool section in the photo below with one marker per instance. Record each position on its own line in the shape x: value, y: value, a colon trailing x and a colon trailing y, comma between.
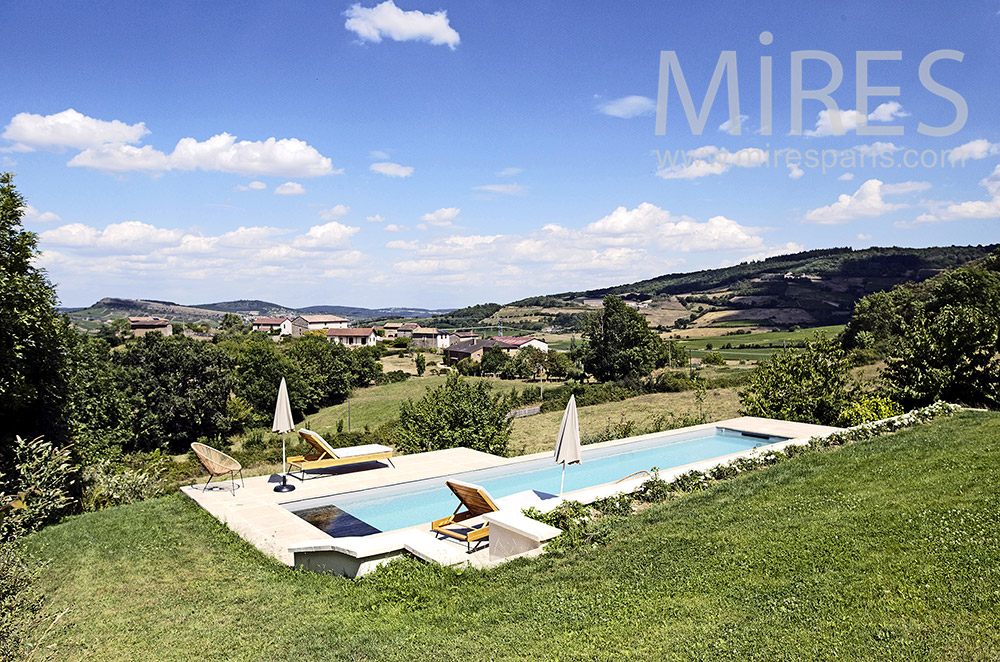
x: 411, y: 504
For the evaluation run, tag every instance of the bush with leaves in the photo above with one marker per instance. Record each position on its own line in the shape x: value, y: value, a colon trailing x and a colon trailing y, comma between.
x: 46, y: 477
x: 713, y: 358
x: 868, y: 407
x: 811, y: 386
x: 459, y: 413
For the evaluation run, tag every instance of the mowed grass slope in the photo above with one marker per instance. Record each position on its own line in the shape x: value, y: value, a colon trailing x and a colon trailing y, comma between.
x: 883, y: 550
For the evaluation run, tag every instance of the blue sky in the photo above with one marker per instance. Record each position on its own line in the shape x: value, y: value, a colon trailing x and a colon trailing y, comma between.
x: 442, y: 154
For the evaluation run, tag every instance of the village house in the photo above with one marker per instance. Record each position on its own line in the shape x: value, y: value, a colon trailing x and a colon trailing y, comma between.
x: 140, y: 326
x: 430, y: 338
x: 474, y: 349
x: 281, y: 325
x: 520, y: 342
x: 392, y: 329
x: 406, y: 330
x: 360, y: 337
x: 304, y: 323
x: 460, y: 336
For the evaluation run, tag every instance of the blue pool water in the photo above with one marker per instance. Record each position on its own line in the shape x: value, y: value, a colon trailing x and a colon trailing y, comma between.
x: 419, y: 502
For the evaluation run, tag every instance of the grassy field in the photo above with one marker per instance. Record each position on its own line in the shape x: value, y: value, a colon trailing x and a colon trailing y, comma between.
x: 771, y: 342
x: 885, y: 550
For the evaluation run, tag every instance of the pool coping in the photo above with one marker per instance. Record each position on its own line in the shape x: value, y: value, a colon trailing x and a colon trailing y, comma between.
x: 259, y: 515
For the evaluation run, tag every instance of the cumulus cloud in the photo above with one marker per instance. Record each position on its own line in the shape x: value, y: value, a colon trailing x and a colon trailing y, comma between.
x: 877, y: 148
x: 331, y: 235
x: 130, y: 235
x: 252, y: 186
x: 442, y: 217
x: 392, y: 227
x: 68, y: 129
x: 32, y: 215
x: 794, y: 171
x: 973, y: 151
x: 846, y: 177
x: 334, y: 212
x: 627, y: 107
x: 377, y: 218
x: 709, y: 160
x: 840, y: 122
x: 958, y: 211
x: 866, y: 202
x: 112, y: 147
x: 391, y: 169
x: 503, y: 189
x: 290, y: 188
x: 388, y: 20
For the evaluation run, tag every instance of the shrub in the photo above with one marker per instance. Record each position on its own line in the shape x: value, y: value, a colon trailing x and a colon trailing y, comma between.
x: 713, y: 358
x: 106, y: 484
x: 868, y: 408
x: 46, y: 476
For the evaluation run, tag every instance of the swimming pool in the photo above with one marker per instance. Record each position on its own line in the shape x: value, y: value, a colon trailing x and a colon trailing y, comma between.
x: 411, y: 504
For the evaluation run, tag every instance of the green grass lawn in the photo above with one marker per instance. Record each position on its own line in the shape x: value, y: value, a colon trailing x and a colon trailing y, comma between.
x: 884, y: 550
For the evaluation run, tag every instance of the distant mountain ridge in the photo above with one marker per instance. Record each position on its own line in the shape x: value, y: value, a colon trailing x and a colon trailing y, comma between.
x: 113, y: 307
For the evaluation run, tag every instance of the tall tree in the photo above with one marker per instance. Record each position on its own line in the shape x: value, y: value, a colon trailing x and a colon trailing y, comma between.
x: 620, y: 344
x: 33, y: 335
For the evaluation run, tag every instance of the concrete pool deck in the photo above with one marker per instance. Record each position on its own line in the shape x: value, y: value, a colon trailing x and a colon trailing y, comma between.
x: 257, y: 513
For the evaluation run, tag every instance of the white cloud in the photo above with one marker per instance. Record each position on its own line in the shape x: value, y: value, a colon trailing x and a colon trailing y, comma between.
x: 116, y: 157
x: 391, y: 169
x: 388, y: 20
x: 127, y: 236
x: 974, y: 150
x: 846, y: 177
x: 399, y: 244
x: 712, y: 160
x: 904, y: 187
x: 429, y: 266
x: 68, y: 129
x: 781, y: 249
x: 220, y: 153
x: 627, y: 107
x: 725, y: 126
x: 334, y: 212
x: 378, y: 155
x: 442, y: 217
x: 510, y: 172
x: 504, y: 189
x: 877, y: 148
x: 377, y: 218
x: 252, y: 186
x: 32, y: 215
x: 970, y: 209
x: 290, y: 188
x: 866, y: 202
x: 112, y: 147
x: 849, y: 119
x: 392, y: 227
x: 330, y: 235
x: 888, y: 111
x: 794, y: 171
x: 864, y: 237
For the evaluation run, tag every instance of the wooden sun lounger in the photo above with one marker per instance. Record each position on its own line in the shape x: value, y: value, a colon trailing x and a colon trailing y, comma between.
x: 476, y: 501
x: 327, y: 456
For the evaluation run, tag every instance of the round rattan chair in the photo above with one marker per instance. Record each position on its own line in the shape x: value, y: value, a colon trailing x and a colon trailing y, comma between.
x: 218, y: 464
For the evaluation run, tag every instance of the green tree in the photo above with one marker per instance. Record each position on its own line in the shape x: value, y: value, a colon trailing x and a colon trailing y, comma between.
x: 324, y: 371
x: 809, y: 386
x: 494, y: 361
x: 232, y: 323
x: 258, y: 367
x: 421, y: 363
x: 178, y: 390
x: 620, y: 344
x: 33, y: 336
x: 713, y: 358
x: 459, y: 413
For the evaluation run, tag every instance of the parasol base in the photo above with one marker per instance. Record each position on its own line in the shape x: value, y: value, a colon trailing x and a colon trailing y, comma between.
x: 284, y: 487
